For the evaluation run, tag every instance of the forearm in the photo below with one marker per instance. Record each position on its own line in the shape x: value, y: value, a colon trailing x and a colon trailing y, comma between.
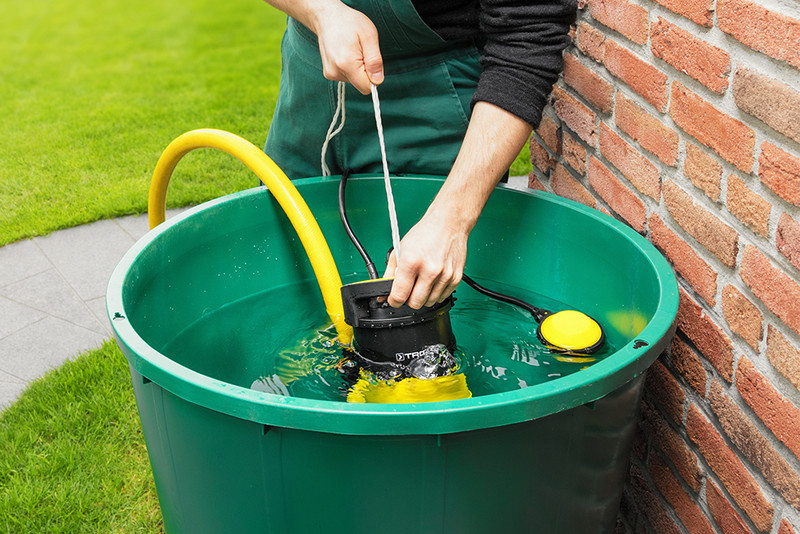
x: 307, y: 12
x: 492, y: 142
x: 432, y: 254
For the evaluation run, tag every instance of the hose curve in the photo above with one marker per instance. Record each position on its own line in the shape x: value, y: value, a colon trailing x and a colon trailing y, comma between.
x: 281, y: 188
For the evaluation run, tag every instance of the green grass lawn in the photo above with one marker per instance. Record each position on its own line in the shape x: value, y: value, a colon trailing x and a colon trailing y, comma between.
x: 92, y: 92
x: 72, y: 456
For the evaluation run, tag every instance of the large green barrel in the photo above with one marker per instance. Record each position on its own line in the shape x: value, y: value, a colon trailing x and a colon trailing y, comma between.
x: 550, y: 458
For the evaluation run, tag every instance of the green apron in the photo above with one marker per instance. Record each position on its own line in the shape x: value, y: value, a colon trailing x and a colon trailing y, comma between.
x: 424, y: 100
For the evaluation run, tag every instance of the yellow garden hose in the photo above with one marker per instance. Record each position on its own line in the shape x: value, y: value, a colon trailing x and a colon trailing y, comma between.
x: 281, y: 188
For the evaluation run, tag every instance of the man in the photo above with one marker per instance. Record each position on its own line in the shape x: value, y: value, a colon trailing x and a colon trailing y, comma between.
x: 462, y: 85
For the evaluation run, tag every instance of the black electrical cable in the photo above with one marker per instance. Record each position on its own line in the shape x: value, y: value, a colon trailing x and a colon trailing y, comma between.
x: 373, y: 273
x: 538, y: 313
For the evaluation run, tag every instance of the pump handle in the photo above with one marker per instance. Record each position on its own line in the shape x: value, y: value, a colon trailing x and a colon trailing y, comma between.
x: 353, y: 296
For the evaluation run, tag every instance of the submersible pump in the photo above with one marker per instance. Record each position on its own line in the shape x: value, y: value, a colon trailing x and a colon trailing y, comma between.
x: 398, y: 342
x: 394, y: 342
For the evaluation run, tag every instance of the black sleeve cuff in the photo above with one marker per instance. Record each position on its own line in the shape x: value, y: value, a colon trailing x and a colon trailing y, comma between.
x: 505, y: 90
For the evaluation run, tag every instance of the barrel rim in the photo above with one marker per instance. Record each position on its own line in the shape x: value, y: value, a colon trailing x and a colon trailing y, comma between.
x: 479, y: 412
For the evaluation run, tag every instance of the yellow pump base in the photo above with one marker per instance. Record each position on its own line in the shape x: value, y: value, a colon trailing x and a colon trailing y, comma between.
x: 409, y: 390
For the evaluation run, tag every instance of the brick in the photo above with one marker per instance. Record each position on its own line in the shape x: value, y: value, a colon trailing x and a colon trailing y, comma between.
x: 550, y: 133
x: 716, y: 236
x: 700, y: 275
x: 746, y: 436
x: 589, y: 84
x: 620, y: 15
x: 787, y: 239
x: 705, y: 63
x: 703, y: 170
x: 748, y: 206
x: 684, y: 505
x: 709, y: 338
x: 627, y: 511
x: 698, y: 11
x: 728, y: 137
x: 621, y: 199
x: 780, y: 171
x: 635, y: 167
x: 663, y: 387
x: 776, y: 411
x: 540, y: 157
x: 640, y: 75
x: 730, y: 470
x: 639, y: 445
x: 568, y: 187
x: 647, y: 130
x: 672, y: 445
x: 767, y: 31
x: 574, y: 154
x: 578, y: 117
x: 785, y: 528
x: 649, y: 503
x: 689, y: 366
x: 770, y: 101
x: 773, y: 287
x: 729, y: 521
x: 784, y: 356
x: 534, y: 183
x: 591, y: 42
x: 743, y: 316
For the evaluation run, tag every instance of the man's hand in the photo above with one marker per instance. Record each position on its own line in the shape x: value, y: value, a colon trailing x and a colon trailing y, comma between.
x: 432, y: 255
x: 348, y: 45
x: 348, y: 40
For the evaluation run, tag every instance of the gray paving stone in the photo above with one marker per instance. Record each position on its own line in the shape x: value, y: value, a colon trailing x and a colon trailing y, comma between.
x: 137, y: 225
x: 518, y: 182
x: 86, y: 255
x: 20, y: 260
x: 9, y: 378
x: 52, y: 297
x: 15, y: 316
x: 44, y: 345
x: 49, y: 293
x: 98, y: 308
x: 10, y: 391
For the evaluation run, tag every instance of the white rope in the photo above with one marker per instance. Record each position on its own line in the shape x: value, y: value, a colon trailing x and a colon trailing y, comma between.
x: 331, y: 132
x: 389, y: 196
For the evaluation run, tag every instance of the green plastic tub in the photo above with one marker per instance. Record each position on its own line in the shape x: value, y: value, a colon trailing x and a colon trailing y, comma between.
x: 549, y: 458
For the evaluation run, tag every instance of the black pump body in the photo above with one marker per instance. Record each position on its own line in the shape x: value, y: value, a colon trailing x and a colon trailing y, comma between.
x: 395, y: 337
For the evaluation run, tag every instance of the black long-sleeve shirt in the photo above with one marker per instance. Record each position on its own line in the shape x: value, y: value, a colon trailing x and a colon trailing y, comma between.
x: 521, y: 46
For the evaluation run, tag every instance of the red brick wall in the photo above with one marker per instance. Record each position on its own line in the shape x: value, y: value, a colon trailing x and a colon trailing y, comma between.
x: 682, y: 118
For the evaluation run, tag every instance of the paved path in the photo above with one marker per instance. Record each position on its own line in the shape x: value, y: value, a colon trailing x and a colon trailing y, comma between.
x: 52, y: 297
